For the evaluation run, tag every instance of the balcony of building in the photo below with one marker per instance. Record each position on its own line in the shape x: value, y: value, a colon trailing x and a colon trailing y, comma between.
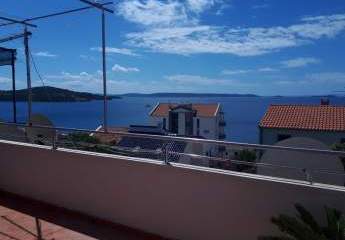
x: 222, y: 123
x: 222, y: 136
x: 140, y: 186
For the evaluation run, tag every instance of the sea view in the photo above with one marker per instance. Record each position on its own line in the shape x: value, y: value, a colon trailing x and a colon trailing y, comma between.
x: 172, y: 119
x: 242, y: 114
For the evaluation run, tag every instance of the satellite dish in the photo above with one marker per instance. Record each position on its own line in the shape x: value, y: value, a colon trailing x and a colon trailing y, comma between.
x: 40, y: 135
x: 11, y: 132
x: 302, y: 160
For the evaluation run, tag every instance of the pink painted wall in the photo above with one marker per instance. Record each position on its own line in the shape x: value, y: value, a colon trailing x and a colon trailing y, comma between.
x: 172, y: 201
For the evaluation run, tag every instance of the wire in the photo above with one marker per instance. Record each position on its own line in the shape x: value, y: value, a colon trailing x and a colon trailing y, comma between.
x: 39, y: 76
x: 36, y: 69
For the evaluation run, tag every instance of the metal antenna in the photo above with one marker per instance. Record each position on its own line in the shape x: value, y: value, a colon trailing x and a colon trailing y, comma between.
x: 105, y: 100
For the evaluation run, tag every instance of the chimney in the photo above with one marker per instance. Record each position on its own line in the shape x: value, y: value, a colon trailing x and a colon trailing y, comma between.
x: 324, y: 101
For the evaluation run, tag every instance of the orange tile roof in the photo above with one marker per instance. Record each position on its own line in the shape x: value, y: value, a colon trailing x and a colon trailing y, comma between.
x: 202, y: 109
x: 305, y: 117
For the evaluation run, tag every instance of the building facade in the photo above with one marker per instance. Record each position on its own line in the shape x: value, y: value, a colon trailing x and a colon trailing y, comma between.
x: 324, y: 123
x: 191, y: 120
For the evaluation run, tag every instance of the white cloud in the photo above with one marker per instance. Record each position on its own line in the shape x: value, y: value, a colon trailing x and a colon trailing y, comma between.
x: 119, y: 68
x: 300, y: 62
x: 5, y: 80
x: 45, y: 54
x: 87, y: 58
x: 222, y: 8
x: 110, y: 50
x: 326, y: 77
x: 200, y: 5
x: 267, y: 69
x: 183, y: 79
x: 153, y: 12
x: 235, y: 72
x: 260, y: 6
x: 169, y: 13
x: 195, y: 38
x: 82, y: 77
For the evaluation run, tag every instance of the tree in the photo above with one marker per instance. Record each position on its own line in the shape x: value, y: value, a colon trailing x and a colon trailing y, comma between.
x: 305, y: 227
x: 340, y: 147
x: 246, y: 156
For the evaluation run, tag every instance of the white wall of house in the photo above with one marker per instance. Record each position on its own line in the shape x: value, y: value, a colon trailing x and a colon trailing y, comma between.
x: 270, y: 136
x: 209, y: 127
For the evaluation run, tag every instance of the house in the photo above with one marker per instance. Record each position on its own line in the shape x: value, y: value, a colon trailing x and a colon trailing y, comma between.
x: 192, y: 120
x: 201, y: 120
x: 325, y: 123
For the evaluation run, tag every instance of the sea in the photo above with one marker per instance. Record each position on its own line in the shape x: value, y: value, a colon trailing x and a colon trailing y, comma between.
x: 242, y: 114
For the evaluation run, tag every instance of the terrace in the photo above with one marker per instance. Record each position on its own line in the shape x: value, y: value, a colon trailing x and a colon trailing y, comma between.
x: 63, y: 183
x: 156, y: 191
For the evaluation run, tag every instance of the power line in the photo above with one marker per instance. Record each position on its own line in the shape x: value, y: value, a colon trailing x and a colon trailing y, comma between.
x: 36, y: 69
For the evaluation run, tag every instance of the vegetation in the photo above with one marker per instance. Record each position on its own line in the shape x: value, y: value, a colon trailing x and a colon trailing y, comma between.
x: 85, y: 142
x: 340, y: 147
x: 305, y: 227
x: 246, y: 156
x: 51, y: 94
x: 82, y: 138
x: 187, y: 95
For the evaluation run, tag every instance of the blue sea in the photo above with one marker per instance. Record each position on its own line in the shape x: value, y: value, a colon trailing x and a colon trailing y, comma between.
x: 242, y: 114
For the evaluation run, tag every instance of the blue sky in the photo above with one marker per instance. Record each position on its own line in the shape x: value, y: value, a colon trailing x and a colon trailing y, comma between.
x: 284, y: 47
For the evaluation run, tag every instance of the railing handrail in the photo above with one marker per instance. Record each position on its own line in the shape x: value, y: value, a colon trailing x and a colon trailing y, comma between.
x: 185, y: 139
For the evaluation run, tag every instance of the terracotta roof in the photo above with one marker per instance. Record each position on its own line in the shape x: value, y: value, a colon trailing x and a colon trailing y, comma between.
x: 306, y: 117
x: 202, y: 109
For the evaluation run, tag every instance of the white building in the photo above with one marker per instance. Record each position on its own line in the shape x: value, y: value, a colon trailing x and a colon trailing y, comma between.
x: 192, y: 120
x: 324, y: 123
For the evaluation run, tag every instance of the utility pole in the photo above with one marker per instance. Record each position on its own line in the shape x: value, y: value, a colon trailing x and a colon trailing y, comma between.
x: 28, y: 73
x: 14, y: 100
x: 105, y: 101
x: 105, y: 98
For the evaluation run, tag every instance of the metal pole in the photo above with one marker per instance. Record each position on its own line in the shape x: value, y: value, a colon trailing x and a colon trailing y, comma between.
x: 105, y: 103
x: 28, y: 73
x: 14, y: 100
x: 38, y: 228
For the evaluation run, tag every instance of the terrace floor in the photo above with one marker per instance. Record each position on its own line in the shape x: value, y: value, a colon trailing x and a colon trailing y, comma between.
x: 18, y: 222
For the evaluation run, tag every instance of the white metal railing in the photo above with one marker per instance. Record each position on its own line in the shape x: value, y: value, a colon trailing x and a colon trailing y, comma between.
x: 167, y: 148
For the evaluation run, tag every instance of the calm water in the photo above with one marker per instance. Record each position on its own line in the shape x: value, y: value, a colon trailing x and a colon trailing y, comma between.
x: 242, y: 114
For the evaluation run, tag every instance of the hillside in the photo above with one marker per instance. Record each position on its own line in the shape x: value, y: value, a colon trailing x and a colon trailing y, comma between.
x: 52, y: 94
x: 187, y: 95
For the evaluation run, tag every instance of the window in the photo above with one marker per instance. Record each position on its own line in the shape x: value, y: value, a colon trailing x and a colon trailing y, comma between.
x: 342, y: 140
x: 164, y: 123
x: 282, y: 137
x: 173, y: 122
x: 197, y: 126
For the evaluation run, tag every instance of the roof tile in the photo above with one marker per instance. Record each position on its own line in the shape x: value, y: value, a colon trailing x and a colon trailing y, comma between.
x: 306, y: 117
x: 203, y: 109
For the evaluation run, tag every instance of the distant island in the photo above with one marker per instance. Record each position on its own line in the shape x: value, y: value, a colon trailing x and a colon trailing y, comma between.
x: 171, y: 95
x: 52, y: 94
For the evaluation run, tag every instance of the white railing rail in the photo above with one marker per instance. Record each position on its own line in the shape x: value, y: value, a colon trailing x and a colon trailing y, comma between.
x: 167, y: 155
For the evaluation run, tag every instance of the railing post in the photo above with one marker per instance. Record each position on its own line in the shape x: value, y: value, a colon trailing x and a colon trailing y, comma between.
x: 54, y: 140
x: 166, y: 157
x: 308, y: 176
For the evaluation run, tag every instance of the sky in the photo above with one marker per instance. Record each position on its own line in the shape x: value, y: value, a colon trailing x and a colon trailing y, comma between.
x: 265, y: 47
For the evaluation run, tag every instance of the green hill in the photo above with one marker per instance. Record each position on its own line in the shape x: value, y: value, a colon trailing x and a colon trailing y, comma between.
x: 52, y: 94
